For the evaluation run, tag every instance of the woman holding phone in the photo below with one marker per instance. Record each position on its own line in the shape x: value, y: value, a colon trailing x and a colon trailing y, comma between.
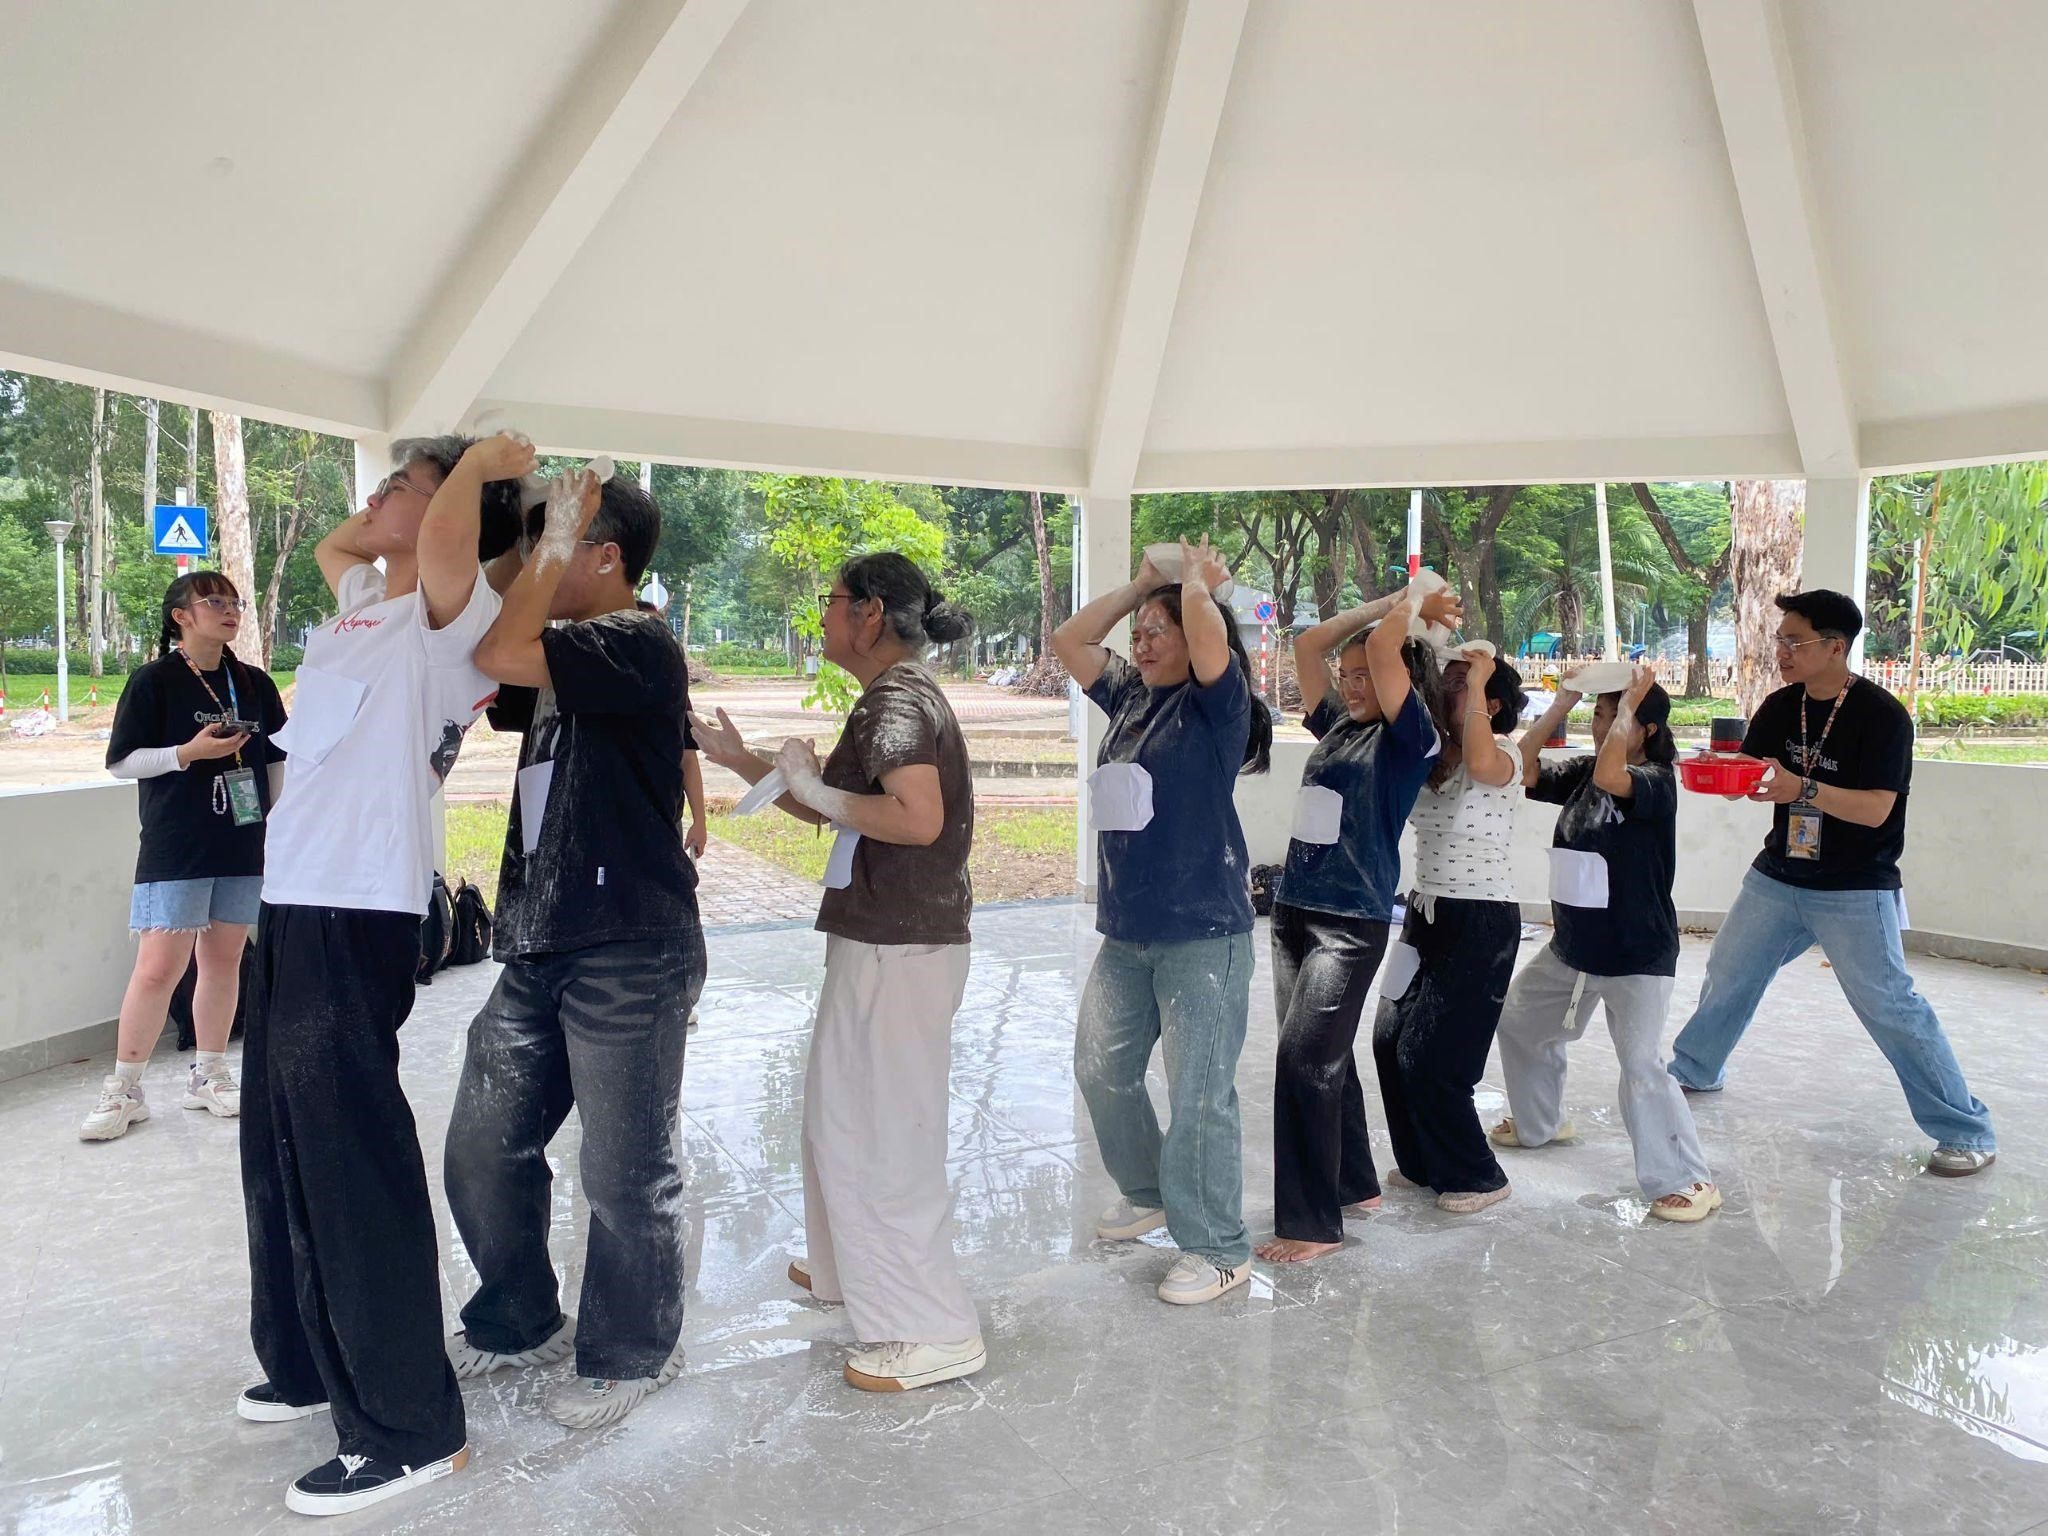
x: 194, y: 727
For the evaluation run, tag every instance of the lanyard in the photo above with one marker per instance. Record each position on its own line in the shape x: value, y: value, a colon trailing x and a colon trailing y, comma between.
x: 1808, y: 754
x: 233, y: 707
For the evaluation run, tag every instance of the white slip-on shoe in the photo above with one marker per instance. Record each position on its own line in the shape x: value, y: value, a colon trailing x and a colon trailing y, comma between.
x: 905, y: 1367
x: 1125, y: 1220
x: 471, y: 1362
x: 1194, y: 1280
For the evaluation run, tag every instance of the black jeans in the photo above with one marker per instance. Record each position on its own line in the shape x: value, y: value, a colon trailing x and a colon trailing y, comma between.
x: 603, y: 1028
x: 1323, y: 966
x: 1430, y: 1042
x: 345, y: 1288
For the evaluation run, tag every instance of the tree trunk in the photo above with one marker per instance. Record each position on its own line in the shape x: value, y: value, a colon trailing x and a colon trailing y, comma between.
x: 237, y: 540
x: 1696, y: 684
x: 1046, y: 590
x: 287, y: 540
x: 1766, y: 517
x: 1571, y: 617
x: 192, y: 456
x: 96, y: 537
x: 1328, y: 583
x: 1365, y: 550
x: 688, y: 584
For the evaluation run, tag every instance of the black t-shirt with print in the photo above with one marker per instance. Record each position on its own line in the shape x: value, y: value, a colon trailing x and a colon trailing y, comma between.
x: 609, y: 864
x: 1870, y: 747
x: 1378, y: 767
x: 164, y: 705
x: 1636, y: 838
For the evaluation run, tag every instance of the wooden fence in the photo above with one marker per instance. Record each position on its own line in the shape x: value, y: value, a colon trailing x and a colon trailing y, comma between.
x: 1937, y: 675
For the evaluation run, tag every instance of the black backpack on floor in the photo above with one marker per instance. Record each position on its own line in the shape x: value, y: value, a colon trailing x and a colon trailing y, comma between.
x: 472, y: 917
x: 437, y: 933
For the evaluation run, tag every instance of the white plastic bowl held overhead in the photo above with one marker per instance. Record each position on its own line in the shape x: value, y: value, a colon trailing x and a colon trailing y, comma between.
x: 1165, y: 560
x: 1600, y: 677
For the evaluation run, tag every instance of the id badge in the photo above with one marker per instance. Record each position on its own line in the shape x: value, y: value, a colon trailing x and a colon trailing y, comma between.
x: 1802, y: 833
x: 243, y: 803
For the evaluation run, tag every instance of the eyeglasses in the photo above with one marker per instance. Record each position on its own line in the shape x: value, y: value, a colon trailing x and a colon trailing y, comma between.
x: 827, y: 599
x: 1787, y: 647
x: 1151, y: 631
x: 391, y: 483
x: 1346, y: 675
x: 224, y: 604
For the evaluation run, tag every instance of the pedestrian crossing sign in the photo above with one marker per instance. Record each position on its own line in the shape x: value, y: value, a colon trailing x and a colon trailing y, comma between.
x: 180, y: 531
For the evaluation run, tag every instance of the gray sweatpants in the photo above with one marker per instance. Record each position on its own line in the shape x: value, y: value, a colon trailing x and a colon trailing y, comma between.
x: 1548, y: 1007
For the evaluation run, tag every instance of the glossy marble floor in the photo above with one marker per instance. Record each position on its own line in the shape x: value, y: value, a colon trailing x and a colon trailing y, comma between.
x: 1850, y: 1345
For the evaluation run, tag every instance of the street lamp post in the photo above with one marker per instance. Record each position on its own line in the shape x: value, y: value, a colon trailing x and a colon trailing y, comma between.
x: 59, y: 531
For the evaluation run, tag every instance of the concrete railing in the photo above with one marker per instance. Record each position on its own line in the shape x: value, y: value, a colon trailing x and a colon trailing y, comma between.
x: 1976, y: 849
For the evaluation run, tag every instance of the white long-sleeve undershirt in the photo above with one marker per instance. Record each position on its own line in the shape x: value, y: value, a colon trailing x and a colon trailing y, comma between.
x: 146, y: 763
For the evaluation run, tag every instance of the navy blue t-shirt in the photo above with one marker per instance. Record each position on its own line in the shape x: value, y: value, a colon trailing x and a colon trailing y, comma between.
x: 1377, y: 767
x: 1185, y: 876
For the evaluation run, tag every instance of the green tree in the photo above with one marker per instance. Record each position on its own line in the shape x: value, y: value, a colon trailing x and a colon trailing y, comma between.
x: 1693, y: 523
x: 28, y: 586
x: 1981, y: 536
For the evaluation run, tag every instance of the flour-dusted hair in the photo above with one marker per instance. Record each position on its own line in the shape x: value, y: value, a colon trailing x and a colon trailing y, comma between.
x: 498, y: 512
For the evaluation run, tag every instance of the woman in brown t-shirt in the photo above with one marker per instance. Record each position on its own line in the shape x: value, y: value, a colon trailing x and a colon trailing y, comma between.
x: 878, y: 1224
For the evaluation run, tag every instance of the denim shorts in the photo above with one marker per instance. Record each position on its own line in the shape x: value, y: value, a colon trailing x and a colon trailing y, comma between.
x: 186, y: 906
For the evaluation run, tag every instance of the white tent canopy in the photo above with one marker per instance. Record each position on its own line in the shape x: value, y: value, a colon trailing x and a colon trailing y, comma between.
x: 1093, y: 246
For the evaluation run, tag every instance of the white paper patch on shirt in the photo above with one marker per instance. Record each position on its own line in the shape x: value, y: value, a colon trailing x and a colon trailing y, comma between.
x: 839, y: 866
x: 1318, y: 814
x: 534, y: 782
x: 1120, y: 798
x: 1578, y: 878
x: 324, y: 706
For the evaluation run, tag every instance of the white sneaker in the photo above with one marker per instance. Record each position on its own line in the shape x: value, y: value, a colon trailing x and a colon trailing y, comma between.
x: 1124, y: 1220
x: 471, y: 1362
x: 905, y: 1367
x: 1194, y: 1280
x: 121, y: 1105
x: 213, y: 1089
x: 591, y: 1402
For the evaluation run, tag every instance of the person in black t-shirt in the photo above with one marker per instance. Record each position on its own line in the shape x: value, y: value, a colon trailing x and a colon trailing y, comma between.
x: 204, y: 790
x: 1612, y: 859
x: 1841, y: 756
x: 598, y: 929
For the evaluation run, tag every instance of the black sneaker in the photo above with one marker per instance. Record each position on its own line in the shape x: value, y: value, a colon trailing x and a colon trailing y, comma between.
x: 356, y: 1482
x: 261, y: 1404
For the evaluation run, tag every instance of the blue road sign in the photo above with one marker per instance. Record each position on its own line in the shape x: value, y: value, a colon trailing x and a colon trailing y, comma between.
x: 180, y: 531
x: 1263, y: 613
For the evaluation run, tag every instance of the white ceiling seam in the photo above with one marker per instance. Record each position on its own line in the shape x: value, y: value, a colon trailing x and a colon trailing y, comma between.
x: 599, y: 131
x: 1194, y: 83
x: 1750, y: 68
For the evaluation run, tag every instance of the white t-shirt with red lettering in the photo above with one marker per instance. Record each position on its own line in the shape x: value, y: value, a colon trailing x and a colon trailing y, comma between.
x: 381, y: 705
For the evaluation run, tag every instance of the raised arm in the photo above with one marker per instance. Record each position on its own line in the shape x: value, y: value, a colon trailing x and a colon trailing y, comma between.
x: 447, y: 543
x: 1610, y: 768
x: 1481, y: 749
x: 510, y: 651
x: 1202, y: 618
x: 340, y: 551
x: 1552, y: 719
x: 1078, y: 642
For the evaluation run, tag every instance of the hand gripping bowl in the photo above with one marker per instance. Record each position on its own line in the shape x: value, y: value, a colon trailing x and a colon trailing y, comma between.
x: 1720, y: 773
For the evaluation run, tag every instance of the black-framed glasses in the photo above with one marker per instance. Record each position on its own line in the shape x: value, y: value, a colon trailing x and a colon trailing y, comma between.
x: 391, y: 483
x: 225, y: 604
x: 827, y: 599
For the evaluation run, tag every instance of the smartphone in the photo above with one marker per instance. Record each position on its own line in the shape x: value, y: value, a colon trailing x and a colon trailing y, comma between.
x: 238, y: 728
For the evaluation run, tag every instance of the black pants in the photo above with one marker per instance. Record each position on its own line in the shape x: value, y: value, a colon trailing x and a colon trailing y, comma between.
x: 603, y: 1028
x: 1430, y: 1041
x: 345, y: 1290
x: 1323, y: 966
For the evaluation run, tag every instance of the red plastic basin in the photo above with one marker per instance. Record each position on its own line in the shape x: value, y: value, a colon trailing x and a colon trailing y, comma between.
x: 1720, y: 773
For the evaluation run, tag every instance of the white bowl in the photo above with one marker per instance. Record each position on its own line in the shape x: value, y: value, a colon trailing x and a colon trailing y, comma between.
x: 766, y: 791
x: 1600, y: 677
x: 1165, y: 560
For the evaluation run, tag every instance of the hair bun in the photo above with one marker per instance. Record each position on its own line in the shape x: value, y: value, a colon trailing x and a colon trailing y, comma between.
x: 945, y: 623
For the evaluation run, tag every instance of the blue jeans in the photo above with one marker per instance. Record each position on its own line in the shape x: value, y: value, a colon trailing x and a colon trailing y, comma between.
x: 1195, y: 999
x: 1772, y: 924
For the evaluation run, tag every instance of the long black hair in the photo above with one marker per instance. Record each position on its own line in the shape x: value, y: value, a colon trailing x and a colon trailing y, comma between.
x: 1655, y: 709
x: 1258, y: 745
x: 913, y: 610
x: 183, y: 593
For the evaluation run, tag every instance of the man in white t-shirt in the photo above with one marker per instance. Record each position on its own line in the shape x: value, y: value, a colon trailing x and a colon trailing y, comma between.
x: 345, y: 1290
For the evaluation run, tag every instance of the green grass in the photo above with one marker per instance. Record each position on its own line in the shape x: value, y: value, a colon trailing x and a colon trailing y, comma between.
x: 1031, y: 831
x: 25, y: 689
x: 476, y: 841
x: 1984, y: 752
x: 782, y: 840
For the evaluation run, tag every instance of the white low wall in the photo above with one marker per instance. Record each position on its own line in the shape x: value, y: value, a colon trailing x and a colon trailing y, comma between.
x: 1976, y: 852
x: 69, y: 857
